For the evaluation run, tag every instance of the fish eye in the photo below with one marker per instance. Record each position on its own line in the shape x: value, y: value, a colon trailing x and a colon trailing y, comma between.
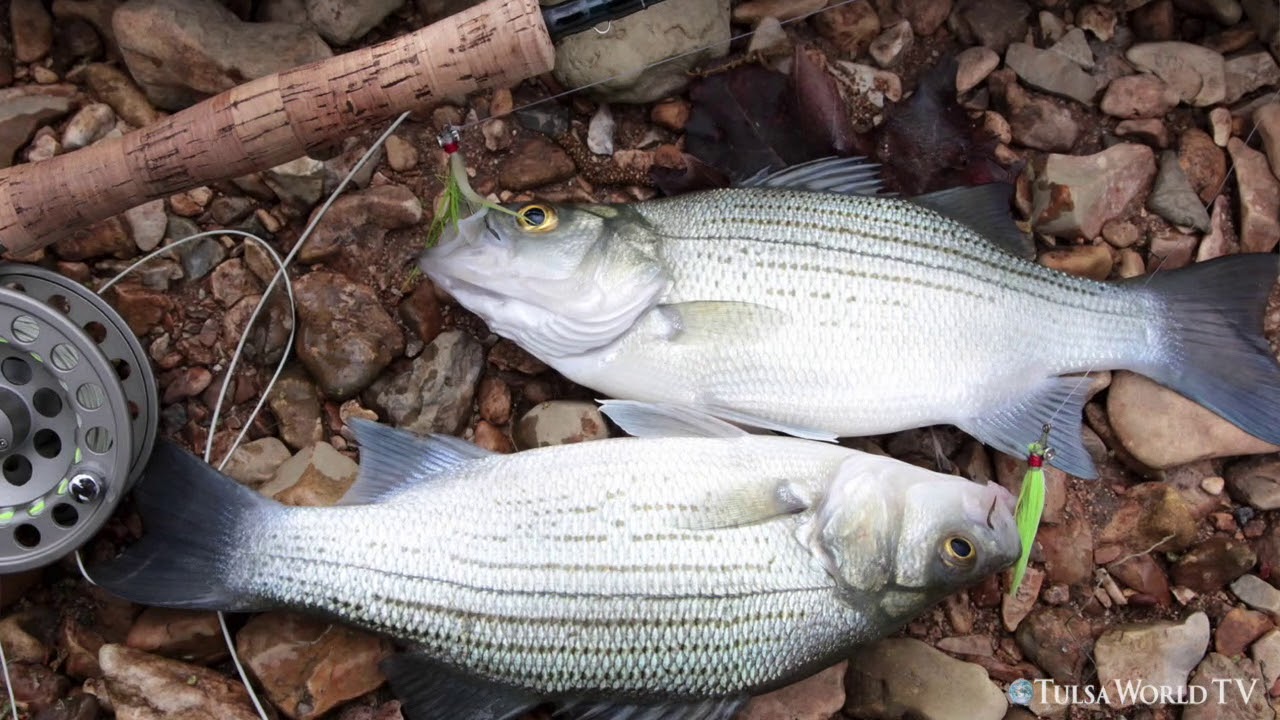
x: 958, y: 551
x: 536, y: 218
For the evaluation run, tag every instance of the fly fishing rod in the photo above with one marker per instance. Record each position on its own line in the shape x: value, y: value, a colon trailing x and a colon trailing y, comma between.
x: 78, y: 402
x: 280, y: 117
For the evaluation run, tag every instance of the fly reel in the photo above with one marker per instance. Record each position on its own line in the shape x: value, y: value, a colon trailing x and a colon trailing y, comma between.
x: 78, y: 415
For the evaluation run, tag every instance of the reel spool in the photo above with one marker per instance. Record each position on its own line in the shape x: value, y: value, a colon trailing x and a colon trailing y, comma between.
x: 78, y: 415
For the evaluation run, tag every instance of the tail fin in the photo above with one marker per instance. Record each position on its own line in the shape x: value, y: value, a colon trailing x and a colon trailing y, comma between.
x: 192, y: 518
x: 1214, y: 351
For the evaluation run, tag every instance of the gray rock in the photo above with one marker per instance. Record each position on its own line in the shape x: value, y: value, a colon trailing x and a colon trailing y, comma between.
x: 200, y: 257
x: 973, y: 65
x: 32, y: 30
x: 600, y: 131
x: 255, y: 463
x: 1051, y: 72
x: 1197, y: 73
x: 25, y: 108
x: 269, y: 336
x: 298, y: 182
x: 560, y: 422
x: 1075, y: 195
x: 1266, y: 652
x: 904, y: 678
x: 888, y: 48
x: 1074, y: 46
x: 550, y: 120
x: 1232, y: 688
x: 296, y: 404
x: 1173, y: 198
x: 345, y: 337
x: 1256, y: 481
x: 230, y: 210
x: 434, y: 393
x: 341, y: 21
x: 90, y: 124
x: 182, y: 51
x: 293, y: 12
x: 990, y: 23
x: 1036, y: 122
x: 1258, y: 594
x: 364, y: 218
x: 663, y: 31
x: 1247, y: 73
x: 1157, y: 653
x: 147, y: 224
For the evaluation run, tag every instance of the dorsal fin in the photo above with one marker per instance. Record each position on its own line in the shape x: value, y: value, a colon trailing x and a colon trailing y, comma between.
x: 985, y: 210
x: 393, y: 460
x: 653, y: 420
x: 850, y: 176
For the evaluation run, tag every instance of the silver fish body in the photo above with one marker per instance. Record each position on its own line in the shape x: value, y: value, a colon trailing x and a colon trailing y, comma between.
x: 828, y: 315
x: 654, y: 570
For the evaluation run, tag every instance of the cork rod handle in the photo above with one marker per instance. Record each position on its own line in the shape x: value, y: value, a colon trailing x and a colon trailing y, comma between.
x: 273, y: 120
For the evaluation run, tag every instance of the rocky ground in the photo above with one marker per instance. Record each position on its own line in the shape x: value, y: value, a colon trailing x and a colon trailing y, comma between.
x: 1144, y: 136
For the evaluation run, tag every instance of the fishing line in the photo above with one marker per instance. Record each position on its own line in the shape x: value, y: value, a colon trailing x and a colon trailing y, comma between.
x: 8, y: 683
x: 709, y: 46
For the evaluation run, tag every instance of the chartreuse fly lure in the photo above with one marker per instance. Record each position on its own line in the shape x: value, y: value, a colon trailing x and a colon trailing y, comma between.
x: 1030, y: 503
x: 458, y: 197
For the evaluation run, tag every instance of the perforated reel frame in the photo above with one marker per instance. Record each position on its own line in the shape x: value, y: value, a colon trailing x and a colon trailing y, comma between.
x: 78, y: 411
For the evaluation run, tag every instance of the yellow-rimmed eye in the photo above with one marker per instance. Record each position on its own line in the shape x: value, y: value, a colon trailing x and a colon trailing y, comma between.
x: 959, y: 550
x: 536, y: 219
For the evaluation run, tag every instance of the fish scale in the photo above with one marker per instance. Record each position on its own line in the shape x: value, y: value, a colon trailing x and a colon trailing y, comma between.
x: 548, y: 601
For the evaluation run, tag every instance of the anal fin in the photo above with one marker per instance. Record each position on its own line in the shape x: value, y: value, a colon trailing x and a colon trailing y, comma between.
x: 656, y: 420
x: 714, y: 709
x: 1058, y: 402
x: 430, y: 690
x: 755, y: 421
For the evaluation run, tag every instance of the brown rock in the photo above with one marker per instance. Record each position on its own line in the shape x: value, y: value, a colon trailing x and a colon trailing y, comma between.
x: 1144, y: 575
x: 506, y: 355
x: 536, y: 162
x: 1067, y: 549
x: 1091, y: 261
x: 1153, y: 516
x: 492, y: 438
x: 1154, y: 21
x: 925, y: 16
x: 1256, y: 481
x: 1196, y: 73
x: 1187, y: 432
x: 402, y: 156
x: 296, y: 405
x: 188, y: 635
x: 1259, y: 198
x: 231, y: 281
x: 1075, y: 195
x: 116, y: 89
x: 364, y: 217
x: 850, y: 27
x: 346, y: 338
x: 818, y: 697
x: 318, y: 476
x: 185, y: 383
x: 108, y: 238
x: 560, y: 422
x: 1150, y: 131
x: 1267, y: 120
x: 1035, y: 122
x: 1213, y: 564
x: 141, y: 686
x: 1015, y: 608
x: 1203, y: 162
x: 269, y: 335
x: 671, y: 114
x: 1058, y: 640
x: 32, y: 30
x: 255, y: 463
x: 1238, y: 629
x: 141, y: 308
x: 36, y: 686
x: 1138, y: 96
x: 495, y: 400
x: 308, y: 666
x: 26, y: 636
x: 1171, y: 250
x: 990, y: 23
x: 421, y: 313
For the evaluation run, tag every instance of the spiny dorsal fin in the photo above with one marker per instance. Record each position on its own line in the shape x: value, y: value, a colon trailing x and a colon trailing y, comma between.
x: 985, y: 210
x: 850, y: 176
x: 394, y: 460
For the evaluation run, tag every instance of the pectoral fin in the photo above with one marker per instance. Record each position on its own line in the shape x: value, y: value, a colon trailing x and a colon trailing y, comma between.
x: 713, y: 322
